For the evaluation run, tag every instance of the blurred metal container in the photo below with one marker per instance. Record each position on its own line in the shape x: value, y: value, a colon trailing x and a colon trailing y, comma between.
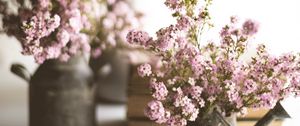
x: 60, y: 94
x: 111, y: 71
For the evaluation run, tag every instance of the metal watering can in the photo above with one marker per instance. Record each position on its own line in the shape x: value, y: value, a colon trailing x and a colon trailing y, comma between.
x: 60, y: 94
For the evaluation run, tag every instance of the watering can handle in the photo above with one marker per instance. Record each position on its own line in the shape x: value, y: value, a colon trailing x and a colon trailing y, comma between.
x: 266, y: 119
x: 20, y: 71
x: 278, y: 112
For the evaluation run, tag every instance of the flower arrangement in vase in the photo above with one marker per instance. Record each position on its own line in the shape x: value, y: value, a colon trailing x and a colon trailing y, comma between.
x: 57, y: 33
x: 53, y: 32
x: 191, y: 81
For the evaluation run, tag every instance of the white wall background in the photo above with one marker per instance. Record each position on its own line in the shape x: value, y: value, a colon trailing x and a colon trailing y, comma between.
x: 279, y: 21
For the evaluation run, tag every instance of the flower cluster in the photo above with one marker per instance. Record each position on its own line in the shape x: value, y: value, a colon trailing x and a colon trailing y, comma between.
x: 50, y: 29
x: 111, y: 26
x: 193, y: 79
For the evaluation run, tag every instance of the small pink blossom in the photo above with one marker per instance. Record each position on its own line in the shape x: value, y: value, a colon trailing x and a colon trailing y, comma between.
x: 138, y: 37
x: 177, y: 121
x: 250, y: 87
x: 250, y: 27
x: 195, y: 92
x: 75, y: 23
x: 184, y: 23
x: 144, y: 70
x: 63, y: 37
x: 159, y: 89
x: 156, y: 112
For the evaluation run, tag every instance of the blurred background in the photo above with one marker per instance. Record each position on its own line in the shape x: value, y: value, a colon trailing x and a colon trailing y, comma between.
x: 279, y: 30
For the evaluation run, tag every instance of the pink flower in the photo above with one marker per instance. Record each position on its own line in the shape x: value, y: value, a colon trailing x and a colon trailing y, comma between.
x: 39, y: 58
x: 165, y: 43
x: 144, y: 70
x: 184, y: 23
x: 121, y: 8
x: 156, y: 112
x: 197, y: 65
x: 138, y: 37
x: 63, y: 37
x: 295, y: 82
x: 40, y: 26
x: 56, y: 21
x: 44, y: 4
x: 182, y: 42
x: 249, y: 87
x: 195, y: 92
x: 250, y: 27
x: 225, y: 31
x: 234, y: 19
x: 109, y: 20
x: 176, y: 121
x: 75, y: 23
x: 160, y: 90
x: 111, y: 1
x: 53, y: 51
x: 174, y: 4
x: 267, y: 100
x: 190, y: 110
x: 191, y: 81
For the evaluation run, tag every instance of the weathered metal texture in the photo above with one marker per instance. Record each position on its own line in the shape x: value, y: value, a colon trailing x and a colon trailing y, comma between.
x: 214, y: 118
x: 61, y: 94
x: 111, y: 72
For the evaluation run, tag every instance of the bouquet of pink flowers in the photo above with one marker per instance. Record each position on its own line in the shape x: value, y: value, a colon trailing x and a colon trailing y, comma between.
x: 190, y: 79
x: 47, y: 29
x: 60, y: 29
x: 115, y: 19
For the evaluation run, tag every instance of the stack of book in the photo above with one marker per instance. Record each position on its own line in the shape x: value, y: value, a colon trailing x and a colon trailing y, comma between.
x: 139, y: 95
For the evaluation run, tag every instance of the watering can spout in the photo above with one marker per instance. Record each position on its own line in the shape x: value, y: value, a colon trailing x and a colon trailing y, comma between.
x: 278, y: 112
x: 21, y: 71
